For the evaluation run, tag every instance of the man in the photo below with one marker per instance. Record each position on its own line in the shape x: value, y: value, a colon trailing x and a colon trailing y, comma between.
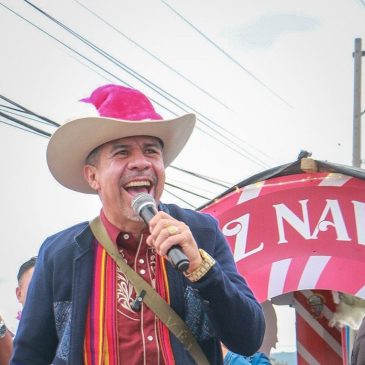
x: 6, y: 337
x: 80, y: 307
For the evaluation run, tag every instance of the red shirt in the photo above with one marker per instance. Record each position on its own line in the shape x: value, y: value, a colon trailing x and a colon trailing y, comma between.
x: 137, y: 331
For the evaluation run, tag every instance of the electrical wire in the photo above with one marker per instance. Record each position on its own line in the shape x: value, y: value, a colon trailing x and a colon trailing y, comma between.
x: 209, y: 179
x: 81, y: 55
x: 26, y: 125
x: 178, y: 197
x: 226, y: 53
x: 152, y: 55
x: 156, y: 88
x: 43, y: 133
x: 18, y: 113
x: 49, y: 121
x: 170, y: 68
x: 22, y: 128
x: 192, y: 187
x: 187, y: 191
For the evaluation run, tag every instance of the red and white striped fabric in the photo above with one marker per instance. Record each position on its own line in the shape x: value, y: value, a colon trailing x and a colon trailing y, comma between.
x: 296, y: 232
x: 317, y: 343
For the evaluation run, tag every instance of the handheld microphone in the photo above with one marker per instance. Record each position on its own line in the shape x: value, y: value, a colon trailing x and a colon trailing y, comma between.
x: 144, y: 205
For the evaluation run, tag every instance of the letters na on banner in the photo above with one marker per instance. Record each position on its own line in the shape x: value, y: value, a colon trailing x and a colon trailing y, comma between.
x: 291, y: 222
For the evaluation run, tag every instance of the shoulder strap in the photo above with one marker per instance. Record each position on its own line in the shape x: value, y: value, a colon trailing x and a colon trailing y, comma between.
x: 152, y: 299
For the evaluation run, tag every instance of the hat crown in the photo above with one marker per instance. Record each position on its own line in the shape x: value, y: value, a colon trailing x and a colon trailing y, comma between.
x: 120, y: 102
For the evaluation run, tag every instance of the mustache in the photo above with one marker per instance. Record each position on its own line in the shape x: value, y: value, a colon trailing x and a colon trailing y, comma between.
x: 138, y: 176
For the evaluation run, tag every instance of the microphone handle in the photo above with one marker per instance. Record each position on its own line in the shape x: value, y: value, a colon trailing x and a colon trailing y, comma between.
x: 175, y: 254
x: 178, y: 259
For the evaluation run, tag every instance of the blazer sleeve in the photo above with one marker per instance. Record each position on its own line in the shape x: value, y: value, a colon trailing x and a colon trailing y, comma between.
x: 233, y: 310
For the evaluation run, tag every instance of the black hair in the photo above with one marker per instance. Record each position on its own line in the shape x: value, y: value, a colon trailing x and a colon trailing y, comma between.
x: 26, y: 266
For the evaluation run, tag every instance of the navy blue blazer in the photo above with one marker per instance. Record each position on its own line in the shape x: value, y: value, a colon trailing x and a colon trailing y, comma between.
x: 219, y: 307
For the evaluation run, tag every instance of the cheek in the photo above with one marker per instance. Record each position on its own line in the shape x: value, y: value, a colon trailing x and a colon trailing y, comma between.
x: 110, y: 173
x: 161, y: 175
x: 160, y: 182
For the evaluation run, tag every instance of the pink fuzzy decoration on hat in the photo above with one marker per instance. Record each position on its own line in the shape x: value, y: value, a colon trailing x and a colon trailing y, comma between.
x: 120, y: 102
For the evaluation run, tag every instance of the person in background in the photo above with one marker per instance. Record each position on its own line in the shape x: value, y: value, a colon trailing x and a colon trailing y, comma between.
x: 231, y: 358
x: 6, y: 336
x: 80, y: 306
x: 24, y: 277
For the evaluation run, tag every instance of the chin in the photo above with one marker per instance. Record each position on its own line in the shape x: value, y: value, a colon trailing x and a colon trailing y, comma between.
x: 136, y: 218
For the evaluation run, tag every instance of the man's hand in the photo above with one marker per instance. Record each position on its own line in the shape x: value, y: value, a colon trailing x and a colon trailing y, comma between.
x: 166, y: 232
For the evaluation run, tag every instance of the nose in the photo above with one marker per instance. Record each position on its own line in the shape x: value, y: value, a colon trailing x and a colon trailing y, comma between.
x: 139, y: 162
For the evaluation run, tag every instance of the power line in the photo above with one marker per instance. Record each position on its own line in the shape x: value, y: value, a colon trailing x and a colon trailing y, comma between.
x: 214, y: 181
x: 152, y: 55
x: 187, y: 191
x: 225, y: 53
x: 21, y: 114
x: 175, y: 71
x: 22, y: 128
x: 21, y: 108
x: 192, y: 187
x: 156, y: 88
x: 78, y: 53
x: 178, y: 197
x: 25, y: 125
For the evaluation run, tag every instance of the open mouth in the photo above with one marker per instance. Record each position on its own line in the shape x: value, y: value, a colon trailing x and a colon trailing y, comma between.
x: 136, y: 187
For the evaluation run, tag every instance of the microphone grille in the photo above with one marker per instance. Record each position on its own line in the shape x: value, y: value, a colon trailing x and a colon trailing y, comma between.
x: 141, y: 200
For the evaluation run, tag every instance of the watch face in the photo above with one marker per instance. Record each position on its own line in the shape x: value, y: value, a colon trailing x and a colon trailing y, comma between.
x: 2, y: 329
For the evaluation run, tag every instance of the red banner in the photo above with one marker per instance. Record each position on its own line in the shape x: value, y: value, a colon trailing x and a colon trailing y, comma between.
x: 304, y: 231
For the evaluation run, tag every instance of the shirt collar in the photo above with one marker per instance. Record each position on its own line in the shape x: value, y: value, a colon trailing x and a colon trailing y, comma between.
x: 112, y: 230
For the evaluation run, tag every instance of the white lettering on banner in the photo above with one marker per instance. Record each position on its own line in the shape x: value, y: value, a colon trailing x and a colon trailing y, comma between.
x: 359, y: 208
x: 331, y: 216
x: 301, y: 226
x: 338, y: 221
x: 241, y: 230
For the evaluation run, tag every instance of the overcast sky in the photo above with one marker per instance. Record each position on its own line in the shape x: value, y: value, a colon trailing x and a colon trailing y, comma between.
x: 267, y: 79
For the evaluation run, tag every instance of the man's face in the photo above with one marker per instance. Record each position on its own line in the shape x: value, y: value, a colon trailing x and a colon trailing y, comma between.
x: 22, y: 289
x: 122, y: 169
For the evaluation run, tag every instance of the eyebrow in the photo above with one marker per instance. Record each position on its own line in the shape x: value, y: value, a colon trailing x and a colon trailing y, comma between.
x: 152, y: 143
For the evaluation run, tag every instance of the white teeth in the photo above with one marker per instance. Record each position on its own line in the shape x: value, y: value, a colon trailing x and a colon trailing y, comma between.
x: 138, y: 183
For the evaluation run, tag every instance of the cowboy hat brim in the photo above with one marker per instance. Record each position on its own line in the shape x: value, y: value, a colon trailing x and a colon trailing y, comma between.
x: 71, y: 144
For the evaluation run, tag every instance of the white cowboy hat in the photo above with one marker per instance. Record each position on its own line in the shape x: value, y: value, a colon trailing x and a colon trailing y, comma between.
x: 124, y: 112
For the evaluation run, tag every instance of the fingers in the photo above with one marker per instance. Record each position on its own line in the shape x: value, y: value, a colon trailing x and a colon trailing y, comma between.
x: 172, y: 229
x: 166, y: 232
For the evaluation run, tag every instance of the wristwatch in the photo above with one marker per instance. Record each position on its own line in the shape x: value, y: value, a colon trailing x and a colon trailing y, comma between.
x: 2, y: 329
x: 207, y: 263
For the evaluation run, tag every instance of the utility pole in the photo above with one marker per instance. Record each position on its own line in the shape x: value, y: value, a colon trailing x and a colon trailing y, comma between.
x: 356, y: 133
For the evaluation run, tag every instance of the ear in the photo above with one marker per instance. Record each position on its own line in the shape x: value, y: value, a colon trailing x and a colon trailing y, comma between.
x: 90, y: 175
x: 18, y: 293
